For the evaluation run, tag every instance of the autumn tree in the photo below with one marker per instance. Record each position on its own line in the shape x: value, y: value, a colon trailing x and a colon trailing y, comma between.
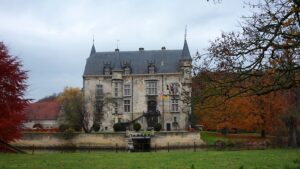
x: 12, y: 101
x: 252, y: 113
x: 71, y: 100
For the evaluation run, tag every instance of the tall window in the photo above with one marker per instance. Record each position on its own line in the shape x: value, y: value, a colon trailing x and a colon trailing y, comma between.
x: 151, y: 88
x: 174, y: 105
x: 174, y: 89
x: 175, y: 119
x: 127, y: 90
x: 116, y: 108
x: 99, y: 90
x: 126, y: 106
x: 116, y: 88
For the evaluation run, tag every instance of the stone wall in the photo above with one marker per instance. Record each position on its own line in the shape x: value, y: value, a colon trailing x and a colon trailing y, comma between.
x: 105, y: 140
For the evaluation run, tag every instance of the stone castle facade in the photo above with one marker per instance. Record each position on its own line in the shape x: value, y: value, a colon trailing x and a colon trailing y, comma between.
x: 144, y: 86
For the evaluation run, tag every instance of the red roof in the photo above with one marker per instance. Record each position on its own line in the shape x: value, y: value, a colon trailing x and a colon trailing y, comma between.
x: 42, y: 111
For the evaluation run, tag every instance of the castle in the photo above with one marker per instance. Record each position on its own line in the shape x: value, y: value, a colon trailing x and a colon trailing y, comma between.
x: 144, y: 86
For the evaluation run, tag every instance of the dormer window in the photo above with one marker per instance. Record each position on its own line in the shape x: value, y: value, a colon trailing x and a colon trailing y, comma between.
x: 127, y: 70
x: 151, y: 69
x: 107, y: 71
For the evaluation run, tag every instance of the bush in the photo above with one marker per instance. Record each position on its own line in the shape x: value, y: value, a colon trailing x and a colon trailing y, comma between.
x: 63, y: 127
x: 38, y: 126
x: 69, y: 133
x: 157, y: 127
x: 117, y: 127
x: 137, y: 126
x: 77, y: 127
x: 96, y: 127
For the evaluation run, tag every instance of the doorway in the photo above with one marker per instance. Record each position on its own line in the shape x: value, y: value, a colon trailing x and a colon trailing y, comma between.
x: 152, y: 114
x: 168, y: 126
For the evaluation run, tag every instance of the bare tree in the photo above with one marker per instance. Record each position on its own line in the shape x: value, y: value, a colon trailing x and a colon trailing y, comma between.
x: 263, y: 57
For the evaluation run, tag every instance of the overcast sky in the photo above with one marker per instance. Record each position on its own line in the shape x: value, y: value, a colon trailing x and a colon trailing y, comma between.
x: 53, y: 38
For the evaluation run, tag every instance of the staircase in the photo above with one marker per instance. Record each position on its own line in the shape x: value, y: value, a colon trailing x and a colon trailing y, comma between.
x: 5, y: 147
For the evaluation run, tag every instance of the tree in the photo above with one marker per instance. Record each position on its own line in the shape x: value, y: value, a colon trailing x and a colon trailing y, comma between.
x: 252, y: 113
x: 12, y: 102
x: 50, y: 98
x: 263, y: 57
x: 71, y: 100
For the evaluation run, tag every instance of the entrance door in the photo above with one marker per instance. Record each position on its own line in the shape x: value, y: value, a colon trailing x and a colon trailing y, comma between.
x: 152, y: 114
x: 151, y: 106
x: 168, y: 127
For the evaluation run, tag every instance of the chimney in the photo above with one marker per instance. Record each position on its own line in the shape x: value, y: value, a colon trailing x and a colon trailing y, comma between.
x: 117, y: 50
x: 163, y: 48
x: 141, y: 49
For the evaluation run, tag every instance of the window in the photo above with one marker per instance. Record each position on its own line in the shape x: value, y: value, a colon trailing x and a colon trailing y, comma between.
x: 127, y: 106
x: 174, y: 105
x: 174, y: 89
x: 187, y: 73
x: 151, y: 69
x: 151, y: 88
x: 99, y: 90
x: 127, y: 70
x: 117, y: 88
x: 175, y: 119
x: 107, y: 71
x: 127, y: 90
x: 116, y: 108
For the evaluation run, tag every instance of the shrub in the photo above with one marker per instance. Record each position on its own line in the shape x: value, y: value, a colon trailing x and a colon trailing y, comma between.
x: 137, y: 126
x: 117, y: 127
x: 96, y: 127
x: 69, y: 133
x: 77, y: 127
x: 38, y: 126
x: 63, y: 127
x: 157, y: 127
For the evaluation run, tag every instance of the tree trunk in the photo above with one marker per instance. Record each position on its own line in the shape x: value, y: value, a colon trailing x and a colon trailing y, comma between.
x: 292, y: 135
x: 263, y: 133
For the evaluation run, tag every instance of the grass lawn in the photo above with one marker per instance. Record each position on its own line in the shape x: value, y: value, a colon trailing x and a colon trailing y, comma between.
x: 278, y: 158
x: 210, y: 137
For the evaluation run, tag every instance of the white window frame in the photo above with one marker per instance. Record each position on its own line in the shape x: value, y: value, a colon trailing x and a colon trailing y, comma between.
x: 174, y: 105
x: 116, y: 108
x: 127, y: 90
x: 116, y: 89
x: 127, y: 106
x: 151, y: 88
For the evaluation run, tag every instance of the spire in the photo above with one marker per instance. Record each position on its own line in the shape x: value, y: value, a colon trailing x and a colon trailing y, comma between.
x: 93, y: 50
x: 185, y: 51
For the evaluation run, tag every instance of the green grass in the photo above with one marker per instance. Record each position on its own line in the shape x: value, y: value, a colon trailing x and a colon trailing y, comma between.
x: 211, y: 137
x: 278, y: 158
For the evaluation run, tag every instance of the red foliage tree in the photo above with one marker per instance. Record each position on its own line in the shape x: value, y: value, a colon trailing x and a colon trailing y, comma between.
x: 12, y: 89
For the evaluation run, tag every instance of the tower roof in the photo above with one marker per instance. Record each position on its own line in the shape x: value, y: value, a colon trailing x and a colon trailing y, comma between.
x: 93, y: 50
x: 185, y: 51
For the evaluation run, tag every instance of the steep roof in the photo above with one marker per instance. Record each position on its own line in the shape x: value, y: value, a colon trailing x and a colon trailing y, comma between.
x: 42, y: 111
x: 166, y: 61
x: 186, y: 52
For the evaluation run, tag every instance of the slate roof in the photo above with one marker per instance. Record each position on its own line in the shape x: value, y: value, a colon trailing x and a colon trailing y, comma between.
x: 42, y: 111
x: 165, y: 61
